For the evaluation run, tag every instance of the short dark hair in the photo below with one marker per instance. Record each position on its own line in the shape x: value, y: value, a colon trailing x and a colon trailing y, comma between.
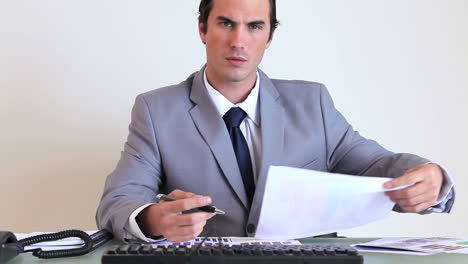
x: 206, y: 6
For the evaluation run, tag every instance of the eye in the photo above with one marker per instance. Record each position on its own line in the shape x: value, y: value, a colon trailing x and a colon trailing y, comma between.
x: 255, y: 27
x: 226, y: 24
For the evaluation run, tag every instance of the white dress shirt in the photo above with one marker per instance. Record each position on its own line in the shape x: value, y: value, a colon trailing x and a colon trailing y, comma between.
x: 250, y: 126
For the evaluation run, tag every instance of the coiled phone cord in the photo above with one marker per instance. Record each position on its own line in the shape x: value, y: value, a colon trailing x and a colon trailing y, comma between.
x: 90, y: 243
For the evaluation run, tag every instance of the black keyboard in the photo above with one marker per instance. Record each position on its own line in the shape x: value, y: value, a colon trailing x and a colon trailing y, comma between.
x: 258, y: 254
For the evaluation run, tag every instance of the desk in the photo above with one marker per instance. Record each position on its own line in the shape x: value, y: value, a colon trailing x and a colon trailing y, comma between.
x: 369, y: 258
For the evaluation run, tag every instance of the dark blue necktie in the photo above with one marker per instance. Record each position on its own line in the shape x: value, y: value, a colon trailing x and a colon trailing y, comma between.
x: 233, y: 118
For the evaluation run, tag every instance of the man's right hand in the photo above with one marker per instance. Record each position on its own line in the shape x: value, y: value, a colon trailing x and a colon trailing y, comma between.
x: 166, y: 218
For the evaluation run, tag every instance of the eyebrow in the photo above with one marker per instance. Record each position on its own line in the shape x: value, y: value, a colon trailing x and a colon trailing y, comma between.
x: 226, y: 19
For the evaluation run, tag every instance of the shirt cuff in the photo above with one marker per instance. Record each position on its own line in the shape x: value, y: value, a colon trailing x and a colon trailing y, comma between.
x: 446, y: 195
x: 134, y: 231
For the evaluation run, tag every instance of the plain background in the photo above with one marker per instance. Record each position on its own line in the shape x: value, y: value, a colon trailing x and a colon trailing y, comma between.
x: 70, y: 71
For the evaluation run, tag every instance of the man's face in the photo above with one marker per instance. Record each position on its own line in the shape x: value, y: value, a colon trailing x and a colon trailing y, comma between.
x: 236, y: 39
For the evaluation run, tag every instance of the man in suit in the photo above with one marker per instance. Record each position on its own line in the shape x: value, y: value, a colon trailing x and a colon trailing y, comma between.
x: 211, y: 138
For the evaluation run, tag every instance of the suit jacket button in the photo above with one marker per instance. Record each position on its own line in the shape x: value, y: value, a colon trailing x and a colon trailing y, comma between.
x: 250, y: 228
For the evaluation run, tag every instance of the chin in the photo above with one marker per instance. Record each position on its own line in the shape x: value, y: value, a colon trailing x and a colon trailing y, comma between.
x: 237, y: 76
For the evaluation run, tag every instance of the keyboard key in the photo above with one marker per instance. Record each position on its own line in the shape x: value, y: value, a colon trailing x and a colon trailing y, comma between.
x: 205, y: 251
x: 228, y: 251
x: 170, y: 251
x: 159, y: 252
x: 146, y: 249
x: 123, y: 249
x: 133, y: 249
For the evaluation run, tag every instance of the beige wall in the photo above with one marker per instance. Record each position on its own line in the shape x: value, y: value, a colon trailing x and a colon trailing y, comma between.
x: 70, y: 70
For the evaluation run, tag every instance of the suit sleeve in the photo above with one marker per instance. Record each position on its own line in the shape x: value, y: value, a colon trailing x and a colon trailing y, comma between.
x: 350, y: 153
x: 137, y: 177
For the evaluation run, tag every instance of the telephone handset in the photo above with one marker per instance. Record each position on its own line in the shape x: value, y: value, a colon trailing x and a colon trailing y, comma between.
x: 10, y: 247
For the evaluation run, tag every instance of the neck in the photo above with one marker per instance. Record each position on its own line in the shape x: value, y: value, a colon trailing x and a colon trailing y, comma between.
x: 235, y: 91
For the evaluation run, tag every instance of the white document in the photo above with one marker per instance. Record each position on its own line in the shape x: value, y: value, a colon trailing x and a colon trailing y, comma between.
x: 423, y: 245
x: 301, y: 203
x: 389, y: 251
x: 231, y: 241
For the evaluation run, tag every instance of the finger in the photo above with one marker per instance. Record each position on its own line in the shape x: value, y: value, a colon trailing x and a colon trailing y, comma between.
x: 409, y: 192
x: 417, y: 208
x: 186, y: 204
x: 179, y: 194
x: 414, y: 201
x: 190, y: 230
x: 184, y: 233
x: 211, y: 216
x: 409, y: 177
x: 193, y: 218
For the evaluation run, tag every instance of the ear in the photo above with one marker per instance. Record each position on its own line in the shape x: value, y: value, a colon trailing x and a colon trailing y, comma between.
x: 202, y: 33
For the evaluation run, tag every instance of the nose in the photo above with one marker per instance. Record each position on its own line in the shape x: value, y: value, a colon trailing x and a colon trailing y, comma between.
x: 238, y: 38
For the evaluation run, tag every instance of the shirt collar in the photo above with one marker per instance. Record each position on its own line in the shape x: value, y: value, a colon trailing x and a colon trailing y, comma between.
x: 249, y: 105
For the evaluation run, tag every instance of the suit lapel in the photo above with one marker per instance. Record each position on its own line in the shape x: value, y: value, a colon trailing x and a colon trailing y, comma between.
x: 213, y: 130
x: 272, y: 127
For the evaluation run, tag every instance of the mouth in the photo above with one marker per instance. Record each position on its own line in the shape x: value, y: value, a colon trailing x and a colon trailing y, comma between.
x: 235, y: 60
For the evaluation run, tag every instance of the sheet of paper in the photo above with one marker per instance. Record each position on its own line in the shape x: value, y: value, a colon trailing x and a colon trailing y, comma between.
x: 301, y: 203
x: 389, y: 251
x: 229, y: 241
x: 428, y: 245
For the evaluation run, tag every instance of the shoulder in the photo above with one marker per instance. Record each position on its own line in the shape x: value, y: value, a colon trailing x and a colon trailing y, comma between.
x: 298, y: 89
x: 171, y: 95
x: 296, y: 84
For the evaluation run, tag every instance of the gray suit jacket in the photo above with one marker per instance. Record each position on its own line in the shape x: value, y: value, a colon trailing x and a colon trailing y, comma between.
x: 177, y: 140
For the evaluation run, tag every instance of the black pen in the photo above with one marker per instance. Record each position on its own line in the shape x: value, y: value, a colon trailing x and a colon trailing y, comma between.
x: 206, y: 208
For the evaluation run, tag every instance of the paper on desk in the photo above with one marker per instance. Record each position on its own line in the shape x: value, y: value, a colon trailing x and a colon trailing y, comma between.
x: 231, y: 241
x: 389, y: 251
x: 422, y: 245
x: 301, y: 203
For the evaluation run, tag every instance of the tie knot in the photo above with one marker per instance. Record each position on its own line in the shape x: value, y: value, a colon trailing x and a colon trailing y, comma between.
x: 234, y: 117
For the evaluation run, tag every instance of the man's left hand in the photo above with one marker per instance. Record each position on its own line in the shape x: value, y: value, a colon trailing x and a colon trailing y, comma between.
x: 427, y: 180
